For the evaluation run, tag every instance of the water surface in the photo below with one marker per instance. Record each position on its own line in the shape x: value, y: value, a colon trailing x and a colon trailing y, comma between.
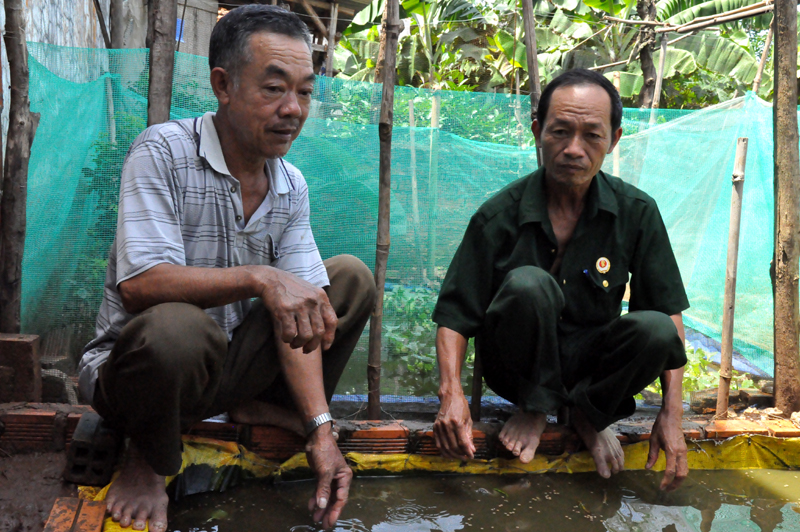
x: 709, y: 501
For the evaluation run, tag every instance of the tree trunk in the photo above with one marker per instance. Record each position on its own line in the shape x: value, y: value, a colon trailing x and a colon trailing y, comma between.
x: 116, y: 21
x: 161, y: 26
x: 379, y: 64
x: 391, y: 24
x: 787, y: 204
x: 21, y: 129
x: 647, y: 11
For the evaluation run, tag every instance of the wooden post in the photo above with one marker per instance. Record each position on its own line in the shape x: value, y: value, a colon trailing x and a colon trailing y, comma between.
x: 477, y: 389
x: 529, y: 23
x: 615, y: 155
x: 22, y: 126
x: 331, y: 40
x: 433, y: 185
x: 764, y: 54
x: 412, y: 123
x: 662, y: 61
x: 314, y: 17
x: 647, y: 12
x: 379, y: 65
x: 116, y: 21
x: 162, y: 19
x: 787, y: 206
x: 382, y: 247
x: 726, y: 362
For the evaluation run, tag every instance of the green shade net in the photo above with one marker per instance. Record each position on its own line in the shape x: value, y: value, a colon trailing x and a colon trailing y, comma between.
x: 93, y: 104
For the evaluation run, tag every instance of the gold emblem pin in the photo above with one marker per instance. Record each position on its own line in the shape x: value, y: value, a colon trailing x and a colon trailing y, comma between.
x: 603, y: 265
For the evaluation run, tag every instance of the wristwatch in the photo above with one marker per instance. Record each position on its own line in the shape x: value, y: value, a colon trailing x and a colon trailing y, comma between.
x: 315, y: 423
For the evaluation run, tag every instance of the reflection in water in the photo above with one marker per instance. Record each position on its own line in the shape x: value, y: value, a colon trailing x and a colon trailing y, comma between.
x: 709, y: 501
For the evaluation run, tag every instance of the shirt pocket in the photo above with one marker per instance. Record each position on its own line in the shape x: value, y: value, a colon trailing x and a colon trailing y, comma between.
x: 609, y: 282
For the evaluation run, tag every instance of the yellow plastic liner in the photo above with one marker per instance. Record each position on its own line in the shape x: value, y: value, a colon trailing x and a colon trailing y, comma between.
x: 740, y: 452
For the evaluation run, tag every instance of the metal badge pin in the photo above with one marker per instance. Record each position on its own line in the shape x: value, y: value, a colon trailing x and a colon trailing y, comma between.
x: 603, y: 265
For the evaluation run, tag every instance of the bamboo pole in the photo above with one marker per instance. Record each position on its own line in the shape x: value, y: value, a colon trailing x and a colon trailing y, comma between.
x: 412, y: 124
x: 161, y: 22
x: 433, y: 185
x: 529, y: 24
x: 383, y: 242
x: 22, y: 126
x: 728, y: 310
x: 764, y: 55
x: 662, y: 61
x: 636, y: 22
x: 615, y: 155
x: 719, y: 19
x: 331, y: 40
x: 787, y: 205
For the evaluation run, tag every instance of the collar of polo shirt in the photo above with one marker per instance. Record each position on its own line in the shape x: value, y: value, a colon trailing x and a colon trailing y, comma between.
x: 211, y: 151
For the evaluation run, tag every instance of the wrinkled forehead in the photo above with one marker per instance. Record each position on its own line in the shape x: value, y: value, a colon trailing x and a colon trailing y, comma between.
x: 584, y: 103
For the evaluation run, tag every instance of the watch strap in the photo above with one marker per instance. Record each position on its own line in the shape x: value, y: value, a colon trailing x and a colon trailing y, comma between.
x: 318, y: 421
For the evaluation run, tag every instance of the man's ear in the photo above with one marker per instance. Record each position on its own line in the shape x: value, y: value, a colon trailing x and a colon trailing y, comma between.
x: 615, y: 140
x: 536, y: 129
x: 221, y: 84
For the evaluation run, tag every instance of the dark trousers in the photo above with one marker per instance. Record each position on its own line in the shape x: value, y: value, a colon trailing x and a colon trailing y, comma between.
x: 531, y: 358
x: 172, y: 365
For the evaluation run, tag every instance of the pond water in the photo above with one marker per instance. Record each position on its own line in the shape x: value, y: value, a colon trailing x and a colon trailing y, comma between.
x: 709, y: 501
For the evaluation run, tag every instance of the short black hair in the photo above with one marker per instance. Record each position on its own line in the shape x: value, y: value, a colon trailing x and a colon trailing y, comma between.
x: 581, y: 76
x: 230, y: 39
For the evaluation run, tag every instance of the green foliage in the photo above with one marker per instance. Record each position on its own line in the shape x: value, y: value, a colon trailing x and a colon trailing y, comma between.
x: 411, y: 334
x: 699, y: 374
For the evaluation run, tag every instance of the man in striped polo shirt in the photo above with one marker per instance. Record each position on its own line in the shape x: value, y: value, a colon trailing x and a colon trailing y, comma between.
x: 216, y: 298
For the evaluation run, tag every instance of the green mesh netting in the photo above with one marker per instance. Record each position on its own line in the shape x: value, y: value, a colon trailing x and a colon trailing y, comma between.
x: 93, y: 104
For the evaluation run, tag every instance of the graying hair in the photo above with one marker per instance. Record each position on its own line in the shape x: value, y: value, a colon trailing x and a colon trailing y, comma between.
x: 230, y: 39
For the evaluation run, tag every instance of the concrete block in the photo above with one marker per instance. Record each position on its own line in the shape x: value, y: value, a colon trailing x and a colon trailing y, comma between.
x: 21, y: 376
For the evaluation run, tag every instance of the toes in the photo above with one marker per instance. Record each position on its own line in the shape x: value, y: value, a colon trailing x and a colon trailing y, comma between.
x: 158, y: 520
x: 516, y: 448
x: 527, y: 454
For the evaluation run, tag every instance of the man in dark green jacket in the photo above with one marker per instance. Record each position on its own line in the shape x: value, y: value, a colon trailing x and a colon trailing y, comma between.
x: 539, y: 279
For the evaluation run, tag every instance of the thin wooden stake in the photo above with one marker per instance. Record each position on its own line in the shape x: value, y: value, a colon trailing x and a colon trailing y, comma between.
x: 412, y: 124
x: 764, y: 54
x: 384, y: 189
x: 102, y: 21
x: 615, y: 155
x: 433, y: 185
x: 314, y: 17
x: 331, y: 40
x: 787, y: 206
x: 529, y: 24
x: 728, y: 310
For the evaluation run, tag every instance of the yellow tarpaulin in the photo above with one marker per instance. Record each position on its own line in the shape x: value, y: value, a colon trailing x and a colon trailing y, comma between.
x: 740, y: 452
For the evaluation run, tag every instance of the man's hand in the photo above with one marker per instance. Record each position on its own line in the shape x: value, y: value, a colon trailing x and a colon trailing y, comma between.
x: 452, y: 430
x: 668, y: 435
x: 333, y: 477
x: 302, y: 314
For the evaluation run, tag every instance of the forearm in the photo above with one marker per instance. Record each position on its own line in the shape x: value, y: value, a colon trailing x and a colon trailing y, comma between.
x: 672, y: 380
x: 204, y: 287
x: 303, y: 375
x: 451, y: 348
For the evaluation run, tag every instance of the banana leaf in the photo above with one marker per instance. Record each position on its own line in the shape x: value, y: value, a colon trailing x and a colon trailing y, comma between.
x: 721, y: 55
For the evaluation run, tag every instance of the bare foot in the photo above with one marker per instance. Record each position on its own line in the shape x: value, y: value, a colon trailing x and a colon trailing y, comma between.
x: 604, y: 445
x: 138, y: 494
x: 522, y: 432
x: 261, y: 413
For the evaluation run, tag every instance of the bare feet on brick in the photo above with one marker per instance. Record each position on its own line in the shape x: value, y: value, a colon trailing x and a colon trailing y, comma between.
x: 138, y: 495
x: 522, y: 433
x: 261, y: 413
x: 603, y: 446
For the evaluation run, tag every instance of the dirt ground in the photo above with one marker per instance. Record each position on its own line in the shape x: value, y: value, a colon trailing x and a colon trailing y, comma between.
x: 29, y: 484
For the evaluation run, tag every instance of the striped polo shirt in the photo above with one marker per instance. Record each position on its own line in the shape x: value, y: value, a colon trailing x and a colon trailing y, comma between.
x: 179, y: 204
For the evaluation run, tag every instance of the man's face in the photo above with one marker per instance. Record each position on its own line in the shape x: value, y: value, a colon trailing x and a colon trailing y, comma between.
x: 576, y: 134
x: 269, y: 102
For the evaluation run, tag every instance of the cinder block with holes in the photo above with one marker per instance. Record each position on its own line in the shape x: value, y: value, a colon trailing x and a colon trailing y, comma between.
x: 93, y: 452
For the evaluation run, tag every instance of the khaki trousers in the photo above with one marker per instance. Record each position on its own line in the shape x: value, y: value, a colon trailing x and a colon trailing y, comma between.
x: 172, y: 365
